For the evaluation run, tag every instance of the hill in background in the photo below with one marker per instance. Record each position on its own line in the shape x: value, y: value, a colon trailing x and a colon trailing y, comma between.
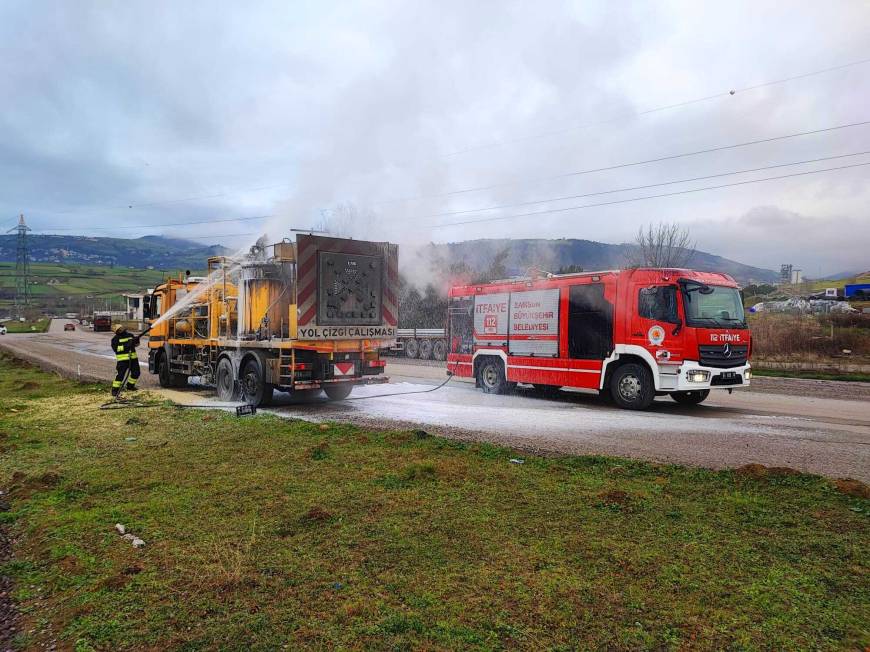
x: 518, y: 255
x: 553, y: 255
x: 149, y: 251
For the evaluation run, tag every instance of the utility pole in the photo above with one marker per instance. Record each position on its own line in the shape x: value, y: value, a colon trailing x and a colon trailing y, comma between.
x: 22, y: 267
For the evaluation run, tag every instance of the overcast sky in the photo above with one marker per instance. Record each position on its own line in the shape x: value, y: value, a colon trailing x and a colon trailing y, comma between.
x: 122, y: 114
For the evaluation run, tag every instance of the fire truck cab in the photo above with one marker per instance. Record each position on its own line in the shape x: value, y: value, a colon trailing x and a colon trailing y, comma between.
x: 631, y: 334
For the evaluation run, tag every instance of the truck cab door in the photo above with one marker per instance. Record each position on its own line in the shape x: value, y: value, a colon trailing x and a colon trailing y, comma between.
x: 656, y: 322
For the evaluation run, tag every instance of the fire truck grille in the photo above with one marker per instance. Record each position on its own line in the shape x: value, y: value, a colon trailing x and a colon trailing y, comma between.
x: 723, y: 355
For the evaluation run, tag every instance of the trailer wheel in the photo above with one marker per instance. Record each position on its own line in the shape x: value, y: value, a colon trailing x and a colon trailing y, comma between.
x: 491, y: 377
x: 225, y: 380
x: 632, y: 386
x: 439, y: 350
x: 692, y: 397
x: 252, y: 383
x: 412, y: 348
x: 337, y: 391
x: 425, y: 349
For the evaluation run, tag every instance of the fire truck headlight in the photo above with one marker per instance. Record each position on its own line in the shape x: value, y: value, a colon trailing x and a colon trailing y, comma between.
x: 698, y: 376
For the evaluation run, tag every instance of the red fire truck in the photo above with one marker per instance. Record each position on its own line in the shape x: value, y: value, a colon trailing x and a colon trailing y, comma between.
x: 631, y: 334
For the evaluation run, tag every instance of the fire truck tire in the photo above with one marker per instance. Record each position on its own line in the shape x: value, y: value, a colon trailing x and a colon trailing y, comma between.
x: 412, y: 348
x: 253, y: 386
x: 225, y: 381
x: 491, y: 377
x: 439, y: 350
x: 692, y: 397
x: 425, y: 349
x: 632, y: 386
x: 337, y: 391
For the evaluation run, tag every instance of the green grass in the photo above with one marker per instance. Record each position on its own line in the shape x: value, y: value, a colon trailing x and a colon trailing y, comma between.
x: 263, y: 533
x: 76, y: 283
x: 813, y: 375
x: 38, y: 326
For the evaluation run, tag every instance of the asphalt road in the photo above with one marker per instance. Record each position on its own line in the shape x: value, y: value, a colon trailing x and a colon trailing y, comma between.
x: 777, y: 422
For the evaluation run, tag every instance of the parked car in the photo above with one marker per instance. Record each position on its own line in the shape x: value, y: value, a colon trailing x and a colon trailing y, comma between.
x: 69, y: 327
x: 2, y: 330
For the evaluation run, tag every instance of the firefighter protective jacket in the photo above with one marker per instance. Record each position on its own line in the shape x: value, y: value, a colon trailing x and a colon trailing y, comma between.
x: 124, y: 346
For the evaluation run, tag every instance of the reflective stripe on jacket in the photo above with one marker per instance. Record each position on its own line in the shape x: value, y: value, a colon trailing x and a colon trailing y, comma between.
x: 124, y: 346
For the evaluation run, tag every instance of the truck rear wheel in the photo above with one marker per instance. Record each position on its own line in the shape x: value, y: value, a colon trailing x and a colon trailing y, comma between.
x: 692, y: 397
x: 632, y: 386
x: 254, y: 388
x: 491, y: 377
x: 425, y: 349
x: 225, y: 381
x: 166, y: 378
x: 439, y: 350
x: 337, y: 391
x: 412, y: 348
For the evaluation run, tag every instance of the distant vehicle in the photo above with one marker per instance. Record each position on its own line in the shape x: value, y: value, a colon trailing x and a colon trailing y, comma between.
x: 102, y: 323
x: 69, y: 327
x: 2, y: 330
x: 631, y: 334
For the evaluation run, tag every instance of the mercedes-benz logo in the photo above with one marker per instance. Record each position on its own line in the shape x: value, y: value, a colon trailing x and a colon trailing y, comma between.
x: 726, y: 350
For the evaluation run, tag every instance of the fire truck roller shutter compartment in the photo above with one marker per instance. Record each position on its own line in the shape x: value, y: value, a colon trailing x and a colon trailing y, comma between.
x: 491, y: 319
x: 534, y: 323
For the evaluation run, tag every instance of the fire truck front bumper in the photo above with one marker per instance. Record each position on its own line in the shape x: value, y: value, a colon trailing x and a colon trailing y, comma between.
x: 692, y: 375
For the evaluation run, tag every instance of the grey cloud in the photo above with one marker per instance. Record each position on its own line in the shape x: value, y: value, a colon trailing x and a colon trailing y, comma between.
x: 365, y: 102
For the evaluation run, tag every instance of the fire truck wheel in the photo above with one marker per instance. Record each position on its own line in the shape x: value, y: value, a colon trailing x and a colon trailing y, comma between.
x: 254, y: 388
x: 337, y: 391
x: 225, y: 380
x: 692, y: 397
x: 412, y: 348
x: 439, y: 350
x: 490, y: 377
x: 425, y: 349
x: 632, y: 386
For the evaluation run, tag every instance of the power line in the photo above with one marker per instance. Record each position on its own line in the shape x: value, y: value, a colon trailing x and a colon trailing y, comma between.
x: 633, y: 114
x: 143, y: 226
x: 619, y: 166
x: 650, y: 185
x: 634, y: 199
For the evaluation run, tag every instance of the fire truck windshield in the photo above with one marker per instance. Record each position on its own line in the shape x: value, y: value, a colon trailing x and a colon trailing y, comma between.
x: 713, y: 306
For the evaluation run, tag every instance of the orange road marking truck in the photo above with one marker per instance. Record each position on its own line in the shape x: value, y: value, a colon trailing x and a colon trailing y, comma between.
x: 305, y: 315
x: 632, y: 334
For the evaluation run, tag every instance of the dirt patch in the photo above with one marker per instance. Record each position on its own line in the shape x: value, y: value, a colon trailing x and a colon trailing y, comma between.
x: 23, y: 485
x: 852, y: 487
x: 752, y: 471
x: 614, y: 497
x: 316, y: 514
x: 28, y: 386
x: 758, y: 471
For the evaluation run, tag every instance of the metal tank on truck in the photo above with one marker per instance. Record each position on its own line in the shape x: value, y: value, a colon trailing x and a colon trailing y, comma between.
x: 305, y: 315
x: 631, y: 334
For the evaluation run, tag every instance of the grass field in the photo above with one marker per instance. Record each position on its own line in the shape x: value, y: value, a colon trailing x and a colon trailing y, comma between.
x: 856, y: 377
x: 77, y: 283
x: 38, y: 326
x: 263, y: 534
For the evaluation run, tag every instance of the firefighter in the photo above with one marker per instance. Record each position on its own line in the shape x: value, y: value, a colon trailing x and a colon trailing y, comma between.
x: 124, y: 345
